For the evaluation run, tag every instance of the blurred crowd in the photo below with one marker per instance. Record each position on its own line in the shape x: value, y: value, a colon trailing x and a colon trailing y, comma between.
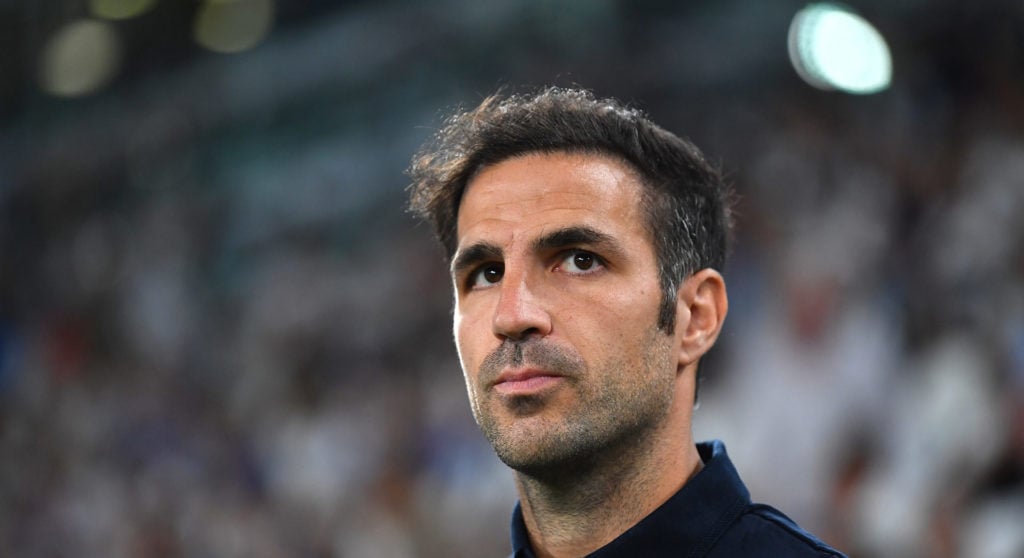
x: 232, y: 341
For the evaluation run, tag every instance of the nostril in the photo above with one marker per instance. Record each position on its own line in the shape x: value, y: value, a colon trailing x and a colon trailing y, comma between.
x: 533, y: 331
x: 525, y: 334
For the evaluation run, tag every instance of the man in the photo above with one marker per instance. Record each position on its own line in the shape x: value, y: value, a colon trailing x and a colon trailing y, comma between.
x: 584, y: 243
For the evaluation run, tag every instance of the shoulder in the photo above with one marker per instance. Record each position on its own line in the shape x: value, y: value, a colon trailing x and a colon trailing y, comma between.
x: 765, y: 531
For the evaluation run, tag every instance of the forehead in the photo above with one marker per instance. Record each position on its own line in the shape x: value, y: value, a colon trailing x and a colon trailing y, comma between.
x: 541, y: 190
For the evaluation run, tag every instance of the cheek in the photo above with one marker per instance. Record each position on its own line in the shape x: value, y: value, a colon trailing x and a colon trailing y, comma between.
x: 611, y: 321
x: 467, y: 334
x: 458, y: 332
x: 457, y: 327
x: 464, y: 349
x: 623, y: 309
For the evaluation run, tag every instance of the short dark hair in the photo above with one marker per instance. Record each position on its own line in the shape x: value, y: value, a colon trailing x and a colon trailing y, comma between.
x: 685, y: 200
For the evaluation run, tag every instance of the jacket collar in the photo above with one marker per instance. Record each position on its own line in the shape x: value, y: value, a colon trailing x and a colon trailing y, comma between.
x: 692, y: 519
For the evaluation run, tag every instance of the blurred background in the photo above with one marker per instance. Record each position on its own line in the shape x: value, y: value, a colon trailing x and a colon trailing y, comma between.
x: 221, y: 335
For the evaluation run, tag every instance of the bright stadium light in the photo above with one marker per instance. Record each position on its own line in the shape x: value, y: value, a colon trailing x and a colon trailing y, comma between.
x: 831, y: 47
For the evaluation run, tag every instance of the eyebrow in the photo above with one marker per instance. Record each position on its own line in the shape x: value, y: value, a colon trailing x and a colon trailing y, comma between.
x: 574, y: 236
x: 565, y: 237
x: 473, y: 255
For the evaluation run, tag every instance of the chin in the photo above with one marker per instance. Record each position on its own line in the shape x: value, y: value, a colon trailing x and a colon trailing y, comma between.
x: 544, y: 454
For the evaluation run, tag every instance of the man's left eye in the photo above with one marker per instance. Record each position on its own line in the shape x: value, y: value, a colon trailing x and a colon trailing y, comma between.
x: 579, y: 261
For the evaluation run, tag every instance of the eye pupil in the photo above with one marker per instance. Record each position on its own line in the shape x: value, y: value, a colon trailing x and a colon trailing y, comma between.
x: 583, y: 260
x: 492, y: 274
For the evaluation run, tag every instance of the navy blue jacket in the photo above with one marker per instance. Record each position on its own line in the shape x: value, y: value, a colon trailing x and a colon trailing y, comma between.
x: 711, y: 516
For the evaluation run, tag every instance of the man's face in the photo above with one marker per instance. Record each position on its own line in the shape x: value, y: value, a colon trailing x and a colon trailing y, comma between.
x: 557, y: 299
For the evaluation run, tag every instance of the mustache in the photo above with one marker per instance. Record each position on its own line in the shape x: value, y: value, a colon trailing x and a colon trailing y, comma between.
x: 532, y: 353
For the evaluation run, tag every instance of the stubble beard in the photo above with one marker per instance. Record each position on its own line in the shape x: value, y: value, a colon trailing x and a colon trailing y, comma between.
x: 613, y: 407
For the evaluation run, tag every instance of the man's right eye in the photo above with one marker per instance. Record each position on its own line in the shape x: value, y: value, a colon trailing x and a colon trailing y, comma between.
x: 486, y: 276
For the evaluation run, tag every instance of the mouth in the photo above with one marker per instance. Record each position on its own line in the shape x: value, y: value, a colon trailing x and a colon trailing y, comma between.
x: 525, y: 382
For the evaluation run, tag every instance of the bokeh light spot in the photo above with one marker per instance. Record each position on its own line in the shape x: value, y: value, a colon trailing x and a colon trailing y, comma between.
x: 119, y: 9
x: 80, y: 58
x: 833, y: 48
x: 233, y: 25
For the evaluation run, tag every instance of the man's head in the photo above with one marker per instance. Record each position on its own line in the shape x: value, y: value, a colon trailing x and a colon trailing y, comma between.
x: 582, y: 241
x: 686, y: 205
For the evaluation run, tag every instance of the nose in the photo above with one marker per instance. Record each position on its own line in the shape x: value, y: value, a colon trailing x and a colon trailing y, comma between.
x: 520, y: 312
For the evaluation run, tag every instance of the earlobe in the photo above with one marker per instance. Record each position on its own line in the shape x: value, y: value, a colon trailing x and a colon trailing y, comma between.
x: 702, y: 304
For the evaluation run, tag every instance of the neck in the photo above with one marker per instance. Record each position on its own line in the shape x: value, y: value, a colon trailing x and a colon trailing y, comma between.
x: 576, y: 513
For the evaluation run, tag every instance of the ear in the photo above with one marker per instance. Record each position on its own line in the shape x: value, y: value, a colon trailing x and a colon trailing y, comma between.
x: 701, y: 306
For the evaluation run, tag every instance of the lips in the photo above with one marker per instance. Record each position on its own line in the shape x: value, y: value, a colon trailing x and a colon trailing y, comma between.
x: 524, y: 382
